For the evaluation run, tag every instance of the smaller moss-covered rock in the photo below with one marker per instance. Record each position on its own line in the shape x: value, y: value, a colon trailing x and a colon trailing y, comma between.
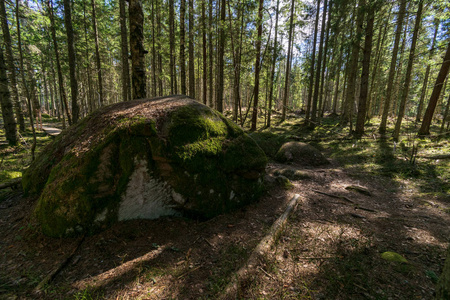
x: 443, y: 285
x: 284, y: 182
x: 393, y: 256
x: 300, y: 153
x: 291, y: 174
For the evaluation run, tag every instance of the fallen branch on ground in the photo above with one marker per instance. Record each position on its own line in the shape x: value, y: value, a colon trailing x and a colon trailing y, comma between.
x: 49, y: 278
x: 334, y: 196
x: 261, y: 249
x: 14, y: 183
x: 442, y: 156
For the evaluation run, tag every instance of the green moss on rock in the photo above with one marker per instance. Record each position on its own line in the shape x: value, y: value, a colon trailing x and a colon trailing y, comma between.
x: 148, y: 157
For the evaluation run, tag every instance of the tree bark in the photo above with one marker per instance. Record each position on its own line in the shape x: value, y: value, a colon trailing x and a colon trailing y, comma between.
x: 347, y: 114
x: 126, y: 87
x: 58, y: 63
x: 97, y: 51
x: 426, y: 123
x: 427, y: 73
x: 191, y: 50
x: 405, y: 90
x: 360, y: 119
x: 211, y: 58
x: 171, y: 47
x: 274, y: 60
x: 11, y: 67
x: 319, y: 64
x: 72, y: 58
x: 257, y: 67
x: 182, y: 46
x: 387, y: 100
x: 137, y: 49
x: 6, y: 105
x: 322, y: 104
x: 288, y: 63
x: 313, y: 59
x: 220, y: 58
x: 205, y: 57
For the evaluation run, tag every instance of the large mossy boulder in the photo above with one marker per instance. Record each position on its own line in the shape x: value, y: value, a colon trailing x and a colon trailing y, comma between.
x: 300, y: 153
x: 144, y: 159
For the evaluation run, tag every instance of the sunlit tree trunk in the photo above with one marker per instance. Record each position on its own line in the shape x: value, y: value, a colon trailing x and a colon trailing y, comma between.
x: 257, y: 67
x: 72, y: 58
x: 426, y: 122
x: 97, y: 52
x: 205, y: 57
x: 182, y: 47
x: 191, y: 50
x: 313, y: 59
x: 387, y: 100
x: 172, y: 71
x: 288, y: 63
x: 11, y: 67
x: 6, y: 105
x: 220, y: 58
x: 274, y: 61
x: 405, y: 90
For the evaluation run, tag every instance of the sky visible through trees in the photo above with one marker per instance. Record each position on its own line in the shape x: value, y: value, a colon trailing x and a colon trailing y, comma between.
x: 220, y: 53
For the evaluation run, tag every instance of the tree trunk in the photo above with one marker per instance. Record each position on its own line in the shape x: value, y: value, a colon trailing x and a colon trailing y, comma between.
x: 211, y: 58
x: 387, y: 100
x: 221, y: 54
x: 191, y: 50
x: 97, y: 51
x: 11, y: 67
x: 274, y: 60
x: 365, y: 72
x: 137, y: 49
x: 6, y: 105
x: 347, y: 114
x: 319, y: 65
x: 257, y: 67
x: 126, y: 87
x: 171, y: 47
x: 405, y: 90
x: 62, y: 91
x: 313, y: 58
x: 426, y: 123
x: 288, y: 63
x: 182, y: 46
x: 205, y: 57
x: 427, y: 73
x: 153, y: 14
x: 72, y: 58
x: 324, y: 65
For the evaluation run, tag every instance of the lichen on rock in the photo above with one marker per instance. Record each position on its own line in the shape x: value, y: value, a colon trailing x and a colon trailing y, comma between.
x: 144, y: 159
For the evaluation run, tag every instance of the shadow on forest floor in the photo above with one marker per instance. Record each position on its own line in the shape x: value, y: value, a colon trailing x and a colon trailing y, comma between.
x: 330, y: 248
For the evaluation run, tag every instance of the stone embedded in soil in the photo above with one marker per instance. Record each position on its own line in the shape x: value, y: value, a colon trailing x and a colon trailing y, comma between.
x: 144, y: 159
x: 301, y: 153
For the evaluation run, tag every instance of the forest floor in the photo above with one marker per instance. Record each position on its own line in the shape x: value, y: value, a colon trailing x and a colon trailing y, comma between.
x: 330, y: 248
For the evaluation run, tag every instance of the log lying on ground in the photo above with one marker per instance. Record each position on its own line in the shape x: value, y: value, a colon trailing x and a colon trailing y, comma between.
x: 231, y: 291
x: 14, y: 183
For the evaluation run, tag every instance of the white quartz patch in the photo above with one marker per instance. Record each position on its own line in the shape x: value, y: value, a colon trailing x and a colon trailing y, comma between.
x: 146, y: 197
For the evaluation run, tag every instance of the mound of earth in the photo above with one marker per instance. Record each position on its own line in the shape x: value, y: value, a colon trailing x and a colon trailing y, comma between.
x: 300, y: 153
x: 144, y: 159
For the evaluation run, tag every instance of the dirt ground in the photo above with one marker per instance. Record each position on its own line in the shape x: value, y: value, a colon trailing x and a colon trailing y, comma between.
x: 330, y: 249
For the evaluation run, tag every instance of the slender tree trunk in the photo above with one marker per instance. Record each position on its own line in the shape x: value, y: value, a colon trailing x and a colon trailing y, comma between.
x: 274, y: 61
x: 324, y: 66
x: 211, y: 57
x: 159, y: 50
x: 387, y: 100
x: 313, y: 59
x: 171, y: 48
x: 365, y: 72
x: 257, y: 67
x: 182, y: 46
x: 405, y: 90
x: 205, y: 57
x: 11, y: 67
x: 62, y: 91
x: 191, y: 50
x: 153, y: 50
x: 137, y: 49
x: 319, y: 63
x: 126, y: 86
x: 288, y: 63
x: 97, y: 51
x: 90, y: 99
x: 427, y: 73
x: 338, y: 74
x: 426, y: 122
x: 220, y: 58
x: 6, y: 105
x: 445, y: 116
x: 72, y: 58
x: 347, y: 114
